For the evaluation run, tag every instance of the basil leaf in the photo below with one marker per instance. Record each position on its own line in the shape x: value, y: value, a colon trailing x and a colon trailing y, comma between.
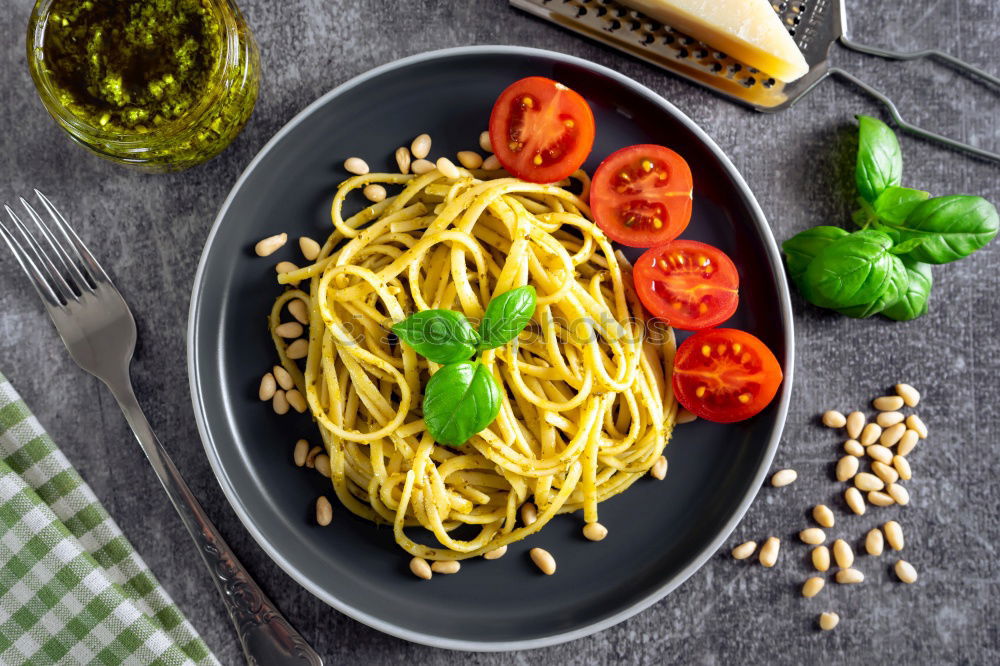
x: 460, y: 400
x: 896, y: 203
x: 880, y: 162
x: 854, y: 270
x: 506, y: 316
x: 896, y: 283
x: 801, y: 248
x: 913, y: 302
x: 442, y: 336
x: 951, y: 227
x: 907, y: 246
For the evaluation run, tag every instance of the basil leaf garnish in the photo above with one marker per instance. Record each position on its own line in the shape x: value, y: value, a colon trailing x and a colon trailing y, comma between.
x: 880, y: 161
x: 506, y: 316
x: 460, y: 400
x: 895, y: 285
x: 913, y: 302
x: 951, y: 227
x: 854, y: 270
x: 896, y: 203
x: 803, y: 247
x: 442, y: 336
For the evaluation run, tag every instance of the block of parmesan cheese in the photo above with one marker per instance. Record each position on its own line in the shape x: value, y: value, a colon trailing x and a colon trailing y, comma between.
x: 748, y: 30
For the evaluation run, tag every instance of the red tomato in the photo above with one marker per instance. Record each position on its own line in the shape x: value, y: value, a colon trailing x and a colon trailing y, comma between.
x: 690, y: 284
x: 725, y: 375
x: 641, y: 195
x: 541, y: 130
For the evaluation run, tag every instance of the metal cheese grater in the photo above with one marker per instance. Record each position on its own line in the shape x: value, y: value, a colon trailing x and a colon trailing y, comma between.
x: 814, y: 24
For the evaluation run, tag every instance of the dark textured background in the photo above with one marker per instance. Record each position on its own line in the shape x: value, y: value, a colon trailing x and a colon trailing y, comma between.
x: 148, y: 231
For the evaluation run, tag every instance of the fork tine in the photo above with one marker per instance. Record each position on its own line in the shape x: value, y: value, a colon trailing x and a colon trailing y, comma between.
x: 67, y: 262
x: 90, y: 267
x: 56, y: 280
x: 27, y: 264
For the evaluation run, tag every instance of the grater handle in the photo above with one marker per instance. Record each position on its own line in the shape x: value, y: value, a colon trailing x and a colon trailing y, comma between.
x: 933, y: 54
x: 913, y: 129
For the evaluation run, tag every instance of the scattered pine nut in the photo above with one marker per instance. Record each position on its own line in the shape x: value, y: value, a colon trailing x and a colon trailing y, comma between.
x: 374, y: 192
x: 421, y: 146
x: 834, y: 419
x: 867, y: 482
x: 884, y: 472
x: 446, y: 566
x: 659, y: 469
x: 886, y: 419
x: 284, y: 378
x: 470, y: 159
x: 828, y: 621
x: 684, y: 416
x: 907, y: 443
x: 298, y: 309
x: 905, y: 572
x: 847, y: 467
x: 902, y: 466
x: 595, y: 531
x: 744, y: 550
x: 447, y: 168
x: 849, y: 576
x: 279, y: 403
x: 853, y: 447
x: 855, y: 424
x: 914, y: 422
x: 492, y: 163
x: 296, y: 400
x: 309, y: 248
x: 879, y: 453
x: 403, y: 159
x: 812, y: 586
x: 311, y: 456
x: 812, y: 536
x: 821, y: 514
x: 322, y: 464
x: 543, y: 560
x: 495, y: 554
x: 843, y: 555
x: 892, y: 434
x: 290, y: 329
x: 285, y: 267
x: 421, y: 167
x: 855, y: 501
x: 888, y: 403
x: 893, y: 535
x: 356, y: 165
x: 270, y: 245
x: 299, y: 455
x: 910, y: 395
x: 870, y: 434
x: 529, y: 513
x: 267, y: 387
x: 420, y: 568
x: 769, y: 552
x: 874, y: 542
x: 298, y: 349
x: 879, y: 498
x: 821, y: 558
x: 783, y: 477
x: 324, y: 511
x: 898, y: 493
x: 484, y: 142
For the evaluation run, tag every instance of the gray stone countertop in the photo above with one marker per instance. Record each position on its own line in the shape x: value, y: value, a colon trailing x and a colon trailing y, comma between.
x: 149, y: 231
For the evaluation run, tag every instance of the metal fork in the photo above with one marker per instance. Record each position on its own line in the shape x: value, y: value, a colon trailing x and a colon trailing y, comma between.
x: 98, y: 329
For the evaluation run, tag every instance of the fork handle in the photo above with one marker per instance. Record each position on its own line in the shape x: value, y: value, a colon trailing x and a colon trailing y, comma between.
x: 933, y: 54
x: 266, y: 636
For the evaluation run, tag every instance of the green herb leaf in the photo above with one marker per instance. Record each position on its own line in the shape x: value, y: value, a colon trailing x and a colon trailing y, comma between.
x: 896, y: 203
x: 801, y: 248
x: 460, y: 400
x: 895, y: 286
x: 913, y: 302
x: 880, y: 162
x: 951, y: 227
x: 506, y: 316
x: 854, y: 270
x: 442, y: 336
x: 906, y: 246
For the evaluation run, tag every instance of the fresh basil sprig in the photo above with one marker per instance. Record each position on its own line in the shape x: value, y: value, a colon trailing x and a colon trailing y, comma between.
x: 949, y: 227
x: 462, y: 398
x: 880, y: 161
x: 913, y: 302
x: 853, y: 271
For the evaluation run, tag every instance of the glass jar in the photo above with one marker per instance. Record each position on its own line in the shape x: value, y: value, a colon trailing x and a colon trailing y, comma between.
x: 183, y: 120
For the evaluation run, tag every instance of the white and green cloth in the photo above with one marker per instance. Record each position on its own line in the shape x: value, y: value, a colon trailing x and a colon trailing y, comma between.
x: 72, y: 588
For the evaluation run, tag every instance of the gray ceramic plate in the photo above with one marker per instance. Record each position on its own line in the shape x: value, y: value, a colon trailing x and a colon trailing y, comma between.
x: 660, y: 532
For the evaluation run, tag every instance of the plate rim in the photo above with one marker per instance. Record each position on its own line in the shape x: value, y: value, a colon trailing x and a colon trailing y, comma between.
x: 655, y: 595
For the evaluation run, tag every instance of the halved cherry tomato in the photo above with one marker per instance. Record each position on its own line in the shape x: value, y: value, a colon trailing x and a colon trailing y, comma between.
x: 725, y: 375
x: 641, y: 195
x: 690, y: 284
x: 541, y: 130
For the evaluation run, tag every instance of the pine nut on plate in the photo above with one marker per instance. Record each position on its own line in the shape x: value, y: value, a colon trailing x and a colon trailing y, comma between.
x: 888, y: 403
x: 783, y: 477
x: 855, y: 500
x: 892, y: 434
x: 867, y: 482
x: 914, y: 422
x: 834, y: 419
x: 886, y: 419
x: 905, y: 572
x: 822, y: 515
x: 309, y: 248
x: 270, y: 245
x: 851, y: 447
x: 296, y: 400
x: 828, y: 621
x: 907, y: 443
x: 879, y: 498
x: 885, y: 472
x: 324, y: 511
x: 403, y: 159
x: 769, y: 552
x: 446, y: 566
x: 495, y: 554
x: 812, y: 535
x: 421, y: 146
x: 874, y: 542
x: 322, y: 464
x: 484, y: 141
x: 298, y: 349
x: 893, y: 535
x: 356, y: 165
x: 298, y: 309
x: 821, y: 558
x: 684, y: 416
x: 595, y: 531
x: 285, y: 267
x: 847, y: 467
x: 902, y: 466
x: 843, y: 555
x: 447, y: 168
x: 311, y: 456
x: 279, y: 403
x: 267, y: 387
x: 470, y: 159
x: 529, y: 514
x: 744, y: 550
x: 420, y: 568
x: 492, y: 163
x: 421, y: 167
x: 812, y: 586
x: 284, y: 379
x: 879, y: 453
x: 374, y: 192
x: 855, y: 424
x: 849, y: 576
x: 659, y: 469
x: 543, y: 560
x: 299, y: 455
x: 910, y: 395
x: 870, y: 434
x: 290, y: 329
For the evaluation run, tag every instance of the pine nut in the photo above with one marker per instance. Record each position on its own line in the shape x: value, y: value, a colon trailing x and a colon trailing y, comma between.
x: 356, y: 165
x: 914, y: 422
x: 892, y: 434
x: 769, y: 552
x: 421, y: 167
x: 855, y: 424
x: 312, y: 455
x: 812, y: 587
x: 299, y: 455
x: 374, y: 192
x: 828, y: 621
x: 855, y: 501
x: 529, y: 513
x: 878, y: 498
x: 853, y: 447
x: 298, y: 309
x: 447, y: 168
x: 898, y: 493
x: 279, y: 403
x: 849, y: 576
x: 324, y: 511
x: 285, y: 267
x: 267, y: 387
x: 446, y: 566
x: 543, y: 560
x: 421, y: 146
x: 823, y: 515
x: 296, y: 400
x: 905, y: 572
x: 403, y: 159
x: 492, y: 163
x: 874, y: 542
x: 910, y: 395
x: 893, y: 534
x: 284, y: 379
x: 847, y: 467
x: 595, y: 531
x: 907, y: 443
x: 744, y: 550
x: 420, y: 568
x: 821, y: 558
x: 870, y: 434
x: 298, y: 349
x: 484, y: 142
x: 888, y: 403
x: 659, y: 469
x: 843, y: 555
x: 270, y: 245
x: 495, y: 554
x: 322, y: 464
x: 879, y: 453
x: 309, y: 248
x: 812, y: 536
x: 834, y: 419
x: 290, y: 329
x: 684, y: 416
x: 902, y: 466
x: 886, y: 419
x: 783, y: 477
x: 885, y: 472
x: 470, y: 159
x: 867, y: 482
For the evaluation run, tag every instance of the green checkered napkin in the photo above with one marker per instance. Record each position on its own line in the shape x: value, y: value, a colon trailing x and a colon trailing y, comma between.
x: 72, y: 589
